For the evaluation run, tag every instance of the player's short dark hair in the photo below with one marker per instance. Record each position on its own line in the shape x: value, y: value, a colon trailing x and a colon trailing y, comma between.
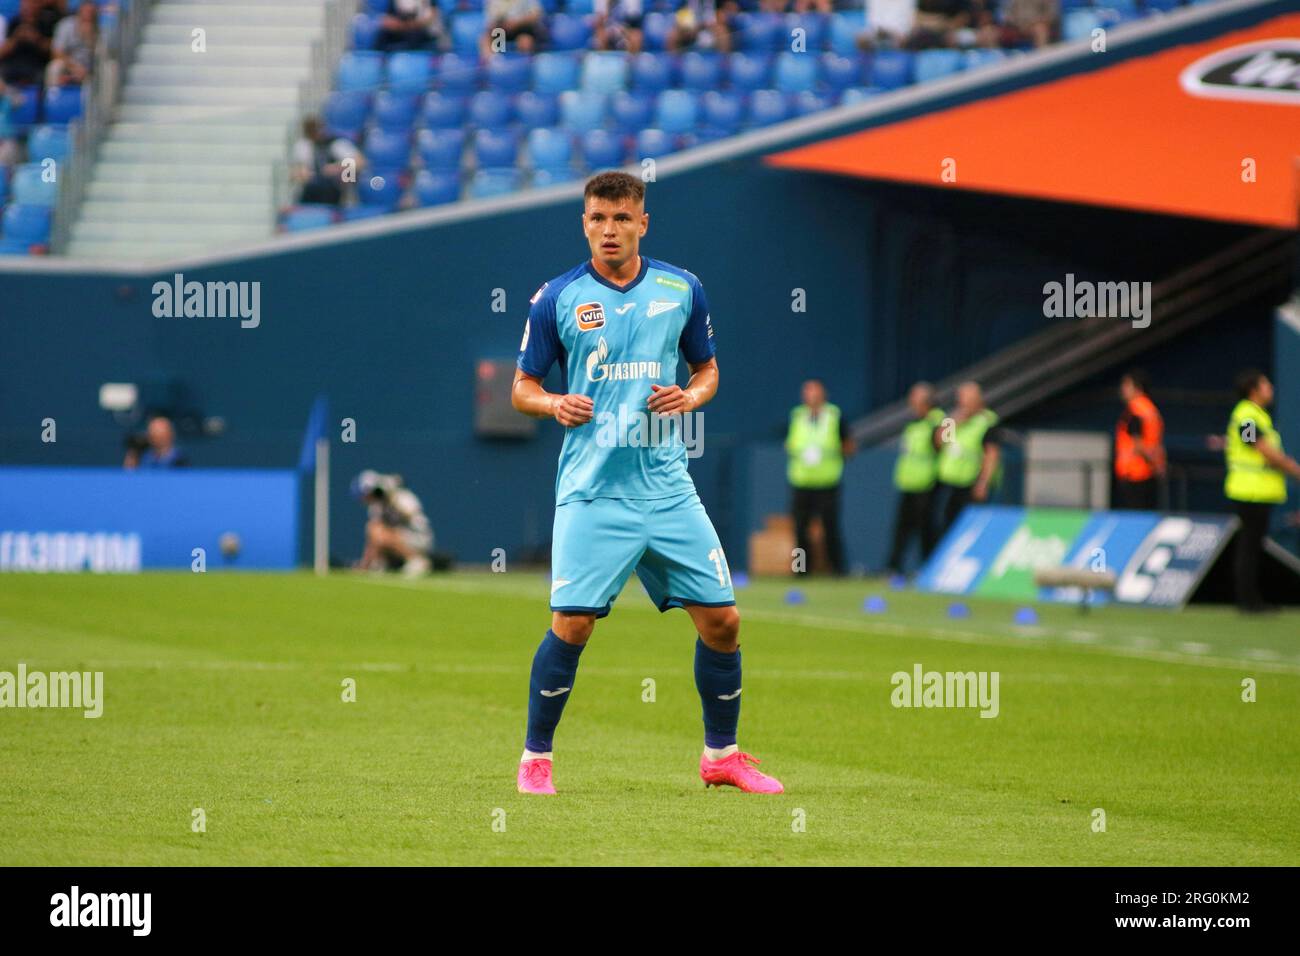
x: 1140, y: 379
x: 614, y: 185
x: 1247, y: 380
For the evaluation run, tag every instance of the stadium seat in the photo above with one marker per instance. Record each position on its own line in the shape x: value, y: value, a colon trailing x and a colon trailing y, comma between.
x: 458, y: 74
x: 631, y: 112
x: 651, y: 72
x: 537, y: 109
x: 388, y: 150
x: 361, y: 70
x: 410, y: 72
x: 396, y: 112
x: 26, y: 103
x: 552, y: 176
x: 488, y: 183
x: 675, y: 111
x: 840, y: 72
x: 495, y: 147
x: 652, y: 144
x: 750, y: 70
x: 441, y: 149
x: 345, y: 112
x: 365, y: 30
x: 4, y: 186
x: 844, y: 31
x: 580, y: 7
x: 377, y: 6
x: 549, y: 148
x: 555, y: 72
x: 1163, y: 6
x: 767, y: 107
x: 933, y: 64
x: 982, y: 56
x: 14, y: 247
x: 381, y: 188
x: 816, y: 30
x: 1079, y: 24
x: 857, y: 94
x: 30, y: 187
x: 569, y: 32
x: 604, y: 72
x: 467, y: 26
x: 702, y: 71
x: 509, y: 72
x: 444, y: 109
x: 891, y: 69
x: 26, y: 224
x: 655, y: 28
x: 602, y: 149
x: 795, y: 72
x: 722, y: 112
x: 810, y: 101
x: 49, y: 142
x: 490, y: 108
x: 437, y: 187
x: 761, y: 32
x: 307, y: 217
x: 582, y: 111
x: 357, y: 213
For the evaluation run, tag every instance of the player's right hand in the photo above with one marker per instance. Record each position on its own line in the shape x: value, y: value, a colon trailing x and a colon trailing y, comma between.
x: 573, y: 410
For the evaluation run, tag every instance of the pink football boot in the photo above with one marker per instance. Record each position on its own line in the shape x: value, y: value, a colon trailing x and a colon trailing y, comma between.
x: 535, y: 776
x: 736, y: 771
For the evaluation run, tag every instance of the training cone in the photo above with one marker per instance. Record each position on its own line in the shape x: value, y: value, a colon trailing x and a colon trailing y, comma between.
x: 898, y: 582
x: 740, y: 579
x: 1026, y: 615
x: 874, y: 604
x: 957, y: 609
x: 794, y: 596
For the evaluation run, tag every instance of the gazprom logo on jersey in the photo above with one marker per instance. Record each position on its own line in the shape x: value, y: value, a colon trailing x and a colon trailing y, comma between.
x: 598, y: 370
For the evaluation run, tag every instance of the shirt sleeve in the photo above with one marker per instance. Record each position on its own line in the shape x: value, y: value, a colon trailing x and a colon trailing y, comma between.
x: 540, y: 347
x: 696, y: 340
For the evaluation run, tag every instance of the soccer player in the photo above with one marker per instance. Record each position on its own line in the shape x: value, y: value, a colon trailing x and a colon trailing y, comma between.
x: 624, y: 500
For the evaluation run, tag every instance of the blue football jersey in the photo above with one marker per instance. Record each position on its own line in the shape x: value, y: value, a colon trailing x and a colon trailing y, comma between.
x: 612, y: 344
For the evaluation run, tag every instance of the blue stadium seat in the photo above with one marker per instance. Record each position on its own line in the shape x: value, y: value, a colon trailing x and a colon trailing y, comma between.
x: 388, y: 150
x: 723, y: 111
x: 9, y: 9
x: 49, y: 142
x: 810, y: 101
x: 365, y: 30
x: 396, y: 112
x: 345, y: 112
x: 933, y: 64
x: 676, y: 111
x: 488, y: 183
x: 702, y: 71
x: 357, y: 213
x: 761, y: 32
x: 602, y: 149
x: 1079, y: 24
x: 767, y: 107
x: 555, y: 72
x: 840, y: 72
x: 581, y: 7
x: 381, y: 188
x: 795, y: 72
x: 750, y: 70
x: 467, y: 27
x: 582, y: 111
x: 569, y: 32
x: 551, y: 176
x: 845, y: 28
x: 441, y: 148
x: 410, y: 72
x: 653, y: 143
x: 891, y: 69
x: 655, y: 28
x: 604, y: 72
x: 1164, y: 6
x: 537, y: 109
x: 983, y: 56
x: 816, y: 29
x: 631, y: 112
x: 26, y: 224
x: 490, y: 108
x: 857, y: 94
x: 444, y: 109
x: 509, y: 72
x: 30, y: 188
x: 22, y: 114
x: 377, y: 6
x: 437, y: 187
x: 4, y: 186
x: 495, y: 147
x: 307, y: 217
x: 361, y: 70
x: 458, y: 74
x: 549, y: 148
x: 652, y: 72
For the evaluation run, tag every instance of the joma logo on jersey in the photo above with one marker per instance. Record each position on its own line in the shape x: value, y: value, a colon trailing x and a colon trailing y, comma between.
x: 590, y: 315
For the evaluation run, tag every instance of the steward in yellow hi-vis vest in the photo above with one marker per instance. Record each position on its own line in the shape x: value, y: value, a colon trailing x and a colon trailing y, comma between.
x: 969, y: 446
x: 915, y: 473
x: 1256, y: 480
x: 815, y: 447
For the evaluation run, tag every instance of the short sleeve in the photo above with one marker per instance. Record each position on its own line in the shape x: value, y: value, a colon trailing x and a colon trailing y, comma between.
x: 540, y: 347
x: 696, y: 341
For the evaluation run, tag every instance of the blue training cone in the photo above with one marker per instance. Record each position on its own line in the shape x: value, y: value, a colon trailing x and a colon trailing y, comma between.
x: 958, y: 609
x: 874, y: 604
x: 1026, y: 615
x: 740, y: 580
x: 794, y: 596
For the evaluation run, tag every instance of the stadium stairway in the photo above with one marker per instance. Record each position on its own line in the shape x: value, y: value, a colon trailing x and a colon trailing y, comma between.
x: 188, y: 161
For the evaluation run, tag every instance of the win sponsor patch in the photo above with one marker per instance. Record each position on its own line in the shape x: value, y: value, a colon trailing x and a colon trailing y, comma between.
x: 590, y: 315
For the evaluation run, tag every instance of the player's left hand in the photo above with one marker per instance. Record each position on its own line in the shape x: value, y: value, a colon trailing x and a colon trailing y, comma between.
x: 670, y: 400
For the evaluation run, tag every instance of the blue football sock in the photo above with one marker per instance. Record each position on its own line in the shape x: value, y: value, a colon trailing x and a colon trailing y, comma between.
x: 717, y: 677
x: 554, y: 666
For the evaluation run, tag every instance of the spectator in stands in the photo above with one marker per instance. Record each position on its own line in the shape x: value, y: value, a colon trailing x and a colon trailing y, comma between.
x: 74, y: 47
x: 411, y: 25
x: 813, y: 6
x: 159, y: 449
x: 939, y: 23
x: 892, y: 22
x: 519, y: 21
x: 1024, y: 22
x: 702, y: 23
x: 618, y: 25
x: 970, y: 453
x: 397, y: 531
x: 25, y: 53
x: 324, y: 165
x: 816, y: 445
x: 1139, y: 445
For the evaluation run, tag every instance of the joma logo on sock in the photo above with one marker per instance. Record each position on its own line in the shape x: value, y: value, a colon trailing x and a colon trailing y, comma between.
x: 102, y: 909
x: 946, y: 689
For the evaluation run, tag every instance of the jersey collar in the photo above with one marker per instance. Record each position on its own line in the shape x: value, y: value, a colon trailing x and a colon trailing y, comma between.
x: 645, y: 264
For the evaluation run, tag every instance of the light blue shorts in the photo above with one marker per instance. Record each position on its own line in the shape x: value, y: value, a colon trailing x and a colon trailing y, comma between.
x: 669, y: 542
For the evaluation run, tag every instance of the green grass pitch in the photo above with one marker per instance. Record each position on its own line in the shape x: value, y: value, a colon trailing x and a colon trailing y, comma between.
x: 223, y: 692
